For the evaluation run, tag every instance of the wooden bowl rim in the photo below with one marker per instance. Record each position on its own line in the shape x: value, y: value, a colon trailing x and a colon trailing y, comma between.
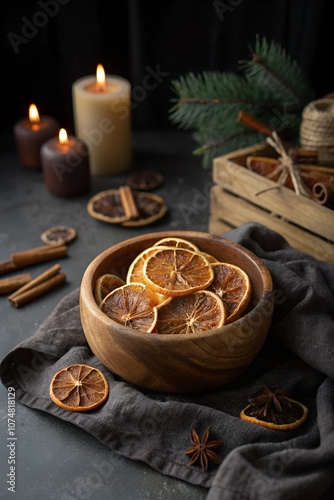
x: 86, y: 288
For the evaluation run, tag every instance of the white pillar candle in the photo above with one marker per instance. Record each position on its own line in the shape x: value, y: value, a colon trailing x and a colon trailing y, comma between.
x: 102, y: 118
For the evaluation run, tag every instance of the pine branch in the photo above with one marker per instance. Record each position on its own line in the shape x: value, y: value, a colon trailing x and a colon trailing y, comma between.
x: 271, y: 67
x: 273, y: 89
x: 202, y: 98
x: 222, y: 142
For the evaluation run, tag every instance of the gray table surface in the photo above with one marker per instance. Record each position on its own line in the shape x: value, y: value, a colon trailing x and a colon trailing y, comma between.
x: 56, y: 460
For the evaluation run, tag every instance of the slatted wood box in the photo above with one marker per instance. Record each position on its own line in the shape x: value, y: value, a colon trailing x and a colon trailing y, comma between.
x: 240, y: 195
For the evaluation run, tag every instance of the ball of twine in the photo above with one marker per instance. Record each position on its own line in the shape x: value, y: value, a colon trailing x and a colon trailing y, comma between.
x: 317, y: 129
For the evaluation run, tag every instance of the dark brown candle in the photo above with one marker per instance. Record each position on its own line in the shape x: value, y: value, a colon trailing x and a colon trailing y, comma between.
x: 30, y: 134
x: 65, y: 163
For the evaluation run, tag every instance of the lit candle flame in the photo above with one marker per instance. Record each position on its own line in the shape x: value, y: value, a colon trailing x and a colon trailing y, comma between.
x: 33, y: 114
x: 100, y: 78
x: 63, y: 139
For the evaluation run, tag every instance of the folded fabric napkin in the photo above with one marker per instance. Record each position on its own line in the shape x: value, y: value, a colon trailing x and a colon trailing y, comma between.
x: 155, y: 427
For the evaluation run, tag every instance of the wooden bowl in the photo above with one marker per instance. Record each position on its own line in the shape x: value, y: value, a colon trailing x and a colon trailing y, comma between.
x: 186, y: 363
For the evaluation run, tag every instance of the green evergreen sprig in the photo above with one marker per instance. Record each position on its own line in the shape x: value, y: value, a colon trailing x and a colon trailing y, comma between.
x: 272, y: 67
x: 272, y: 89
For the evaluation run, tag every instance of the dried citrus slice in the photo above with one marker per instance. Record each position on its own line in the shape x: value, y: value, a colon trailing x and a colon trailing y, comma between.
x: 274, y: 410
x: 198, y: 312
x: 177, y: 271
x: 177, y: 243
x: 145, y: 180
x: 135, y: 271
x: 79, y: 387
x: 131, y: 305
x: 151, y: 208
x: 107, y: 206
x: 59, y: 234
x: 106, y: 284
x: 233, y: 286
x: 210, y: 258
x: 135, y: 275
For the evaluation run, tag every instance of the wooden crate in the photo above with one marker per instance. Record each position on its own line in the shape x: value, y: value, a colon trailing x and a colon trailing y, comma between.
x: 240, y: 195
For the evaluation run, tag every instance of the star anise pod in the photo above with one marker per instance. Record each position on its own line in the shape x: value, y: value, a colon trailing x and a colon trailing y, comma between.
x: 275, y: 407
x: 202, y: 449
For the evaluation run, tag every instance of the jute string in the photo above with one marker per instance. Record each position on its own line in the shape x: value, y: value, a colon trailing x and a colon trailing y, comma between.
x: 287, y: 165
x: 317, y: 129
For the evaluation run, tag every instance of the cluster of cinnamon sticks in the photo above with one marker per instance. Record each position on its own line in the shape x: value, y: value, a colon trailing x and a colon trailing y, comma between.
x: 23, y: 287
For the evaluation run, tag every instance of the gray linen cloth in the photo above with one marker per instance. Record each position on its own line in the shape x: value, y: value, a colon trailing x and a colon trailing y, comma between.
x: 155, y: 427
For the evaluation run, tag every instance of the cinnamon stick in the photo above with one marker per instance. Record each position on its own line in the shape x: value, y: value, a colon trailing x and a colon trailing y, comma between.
x: 38, y: 290
x: 39, y: 254
x: 303, y: 155
x: 254, y: 123
x: 8, y: 285
x: 316, y: 168
x: 128, y: 202
x: 7, y: 266
x: 49, y: 273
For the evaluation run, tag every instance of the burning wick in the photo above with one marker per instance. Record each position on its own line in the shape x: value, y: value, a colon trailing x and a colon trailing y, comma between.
x: 63, y: 139
x: 34, y: 116
x: 100, y: 78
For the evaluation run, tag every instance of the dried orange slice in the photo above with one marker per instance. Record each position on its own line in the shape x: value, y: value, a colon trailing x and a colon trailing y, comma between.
x: 107, y: 206
x: 177, y: 243
x: 177, y: 271
x: 198, y: 312
x: 106, y: 284
x: 135, y: 271
x: 145, y: 180
x: 233, y: 286
x: 151, y: 208
x: 59, y: 234
x: 131, y: 305
x: 210, y: 258
x: 274, y: 410
x: 79, y: 387
x: 135, y: 275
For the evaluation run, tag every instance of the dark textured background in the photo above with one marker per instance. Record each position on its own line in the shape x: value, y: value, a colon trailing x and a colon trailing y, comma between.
x: 128, y: 36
